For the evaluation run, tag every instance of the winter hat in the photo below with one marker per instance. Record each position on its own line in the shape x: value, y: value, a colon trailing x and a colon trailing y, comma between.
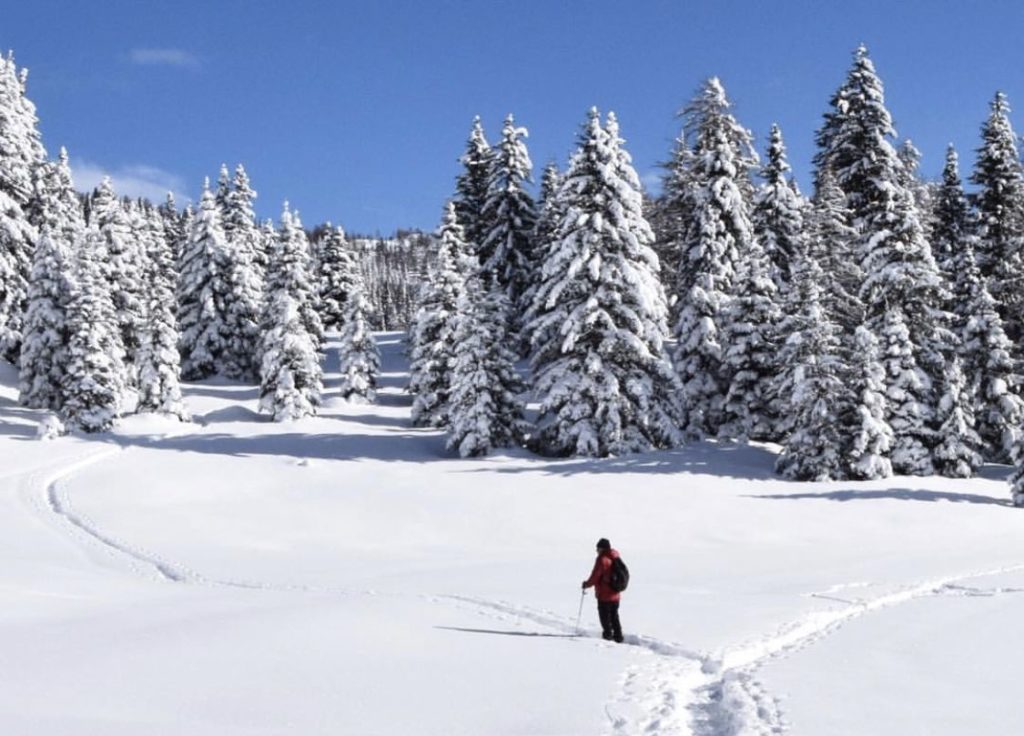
x: 603, y: 543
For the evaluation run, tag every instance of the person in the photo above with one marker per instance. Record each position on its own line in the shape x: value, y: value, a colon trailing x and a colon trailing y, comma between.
x: 607, y: 599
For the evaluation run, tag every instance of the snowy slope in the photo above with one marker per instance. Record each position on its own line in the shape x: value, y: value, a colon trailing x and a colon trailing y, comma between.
x: 344, y: 575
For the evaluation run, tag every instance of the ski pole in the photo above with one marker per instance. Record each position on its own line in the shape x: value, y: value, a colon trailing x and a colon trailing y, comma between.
x: 583, y: 594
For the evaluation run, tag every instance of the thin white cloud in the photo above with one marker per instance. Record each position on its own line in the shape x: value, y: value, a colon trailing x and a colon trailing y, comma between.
x: 137, y: 180
x: 164, y: 57
x: 652, y: 181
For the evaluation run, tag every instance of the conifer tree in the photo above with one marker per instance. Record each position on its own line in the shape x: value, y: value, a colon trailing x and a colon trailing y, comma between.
x: 604, y: 380
x: 221, y: 197
x: 159, y: 363
x: 201, y: 288
x: 175, y: 231
x: 549, y: 216
x: 717, y: 235
x: 811, y: 383
x: 243, y: 282
x: 358, y: 354
x: 778, y: 214
x: 958, y: 451
x: 93, y: 383
x: 44, y: 345
x: 506, y: 250
x: 21, y: 153
x: 122, y: 264
x: 866, y: 455
x: 990, y: 370
x: 952, y: 226
x: 486, y: 409
x: 291, y: 378
x: 306, y: 295
x: 907, y: 392
x: 471, y: 186
x: 1000, y: 204
x: 751, y: 342
x: 900, y: 273
x: 831, y: 240
x: 338, y: 275
x: 433, y: 332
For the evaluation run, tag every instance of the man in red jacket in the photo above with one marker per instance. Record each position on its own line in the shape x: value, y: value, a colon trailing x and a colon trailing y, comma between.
x: 607, y: 599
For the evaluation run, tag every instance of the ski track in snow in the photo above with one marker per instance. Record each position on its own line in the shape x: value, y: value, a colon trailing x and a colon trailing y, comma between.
x: 670, y: 691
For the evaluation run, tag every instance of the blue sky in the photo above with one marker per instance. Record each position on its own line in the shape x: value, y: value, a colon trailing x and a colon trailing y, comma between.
x: 357, y: 112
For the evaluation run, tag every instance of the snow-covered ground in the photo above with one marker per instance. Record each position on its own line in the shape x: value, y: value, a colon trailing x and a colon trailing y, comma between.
x: 345, y: 575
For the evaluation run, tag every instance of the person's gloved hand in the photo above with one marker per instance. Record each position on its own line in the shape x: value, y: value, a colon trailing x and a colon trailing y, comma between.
x: 584, y: 586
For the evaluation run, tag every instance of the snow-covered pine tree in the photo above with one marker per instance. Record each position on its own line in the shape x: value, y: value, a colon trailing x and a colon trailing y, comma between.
x: 958, y: 451
x: 907, y: 390
x: 339, y: 272
x: 243, y: 301
x: 486, y: 409
x: 44, y: 339
x: 831, y: 240
x: 1017, y: 483
x: 750, y: 324
x: 175, y: 231
x: 811, y: 384
x: 221, y: 197
x: 432, y: 336
x: 291, y: 378
x: 201, y: 287
x: 605, y: 382
x: 920, y: 190
x: 158, y: 360
x: 900, y: 273
x: 717, y: 234
x: 122, y: 266
x: 549, y: 216
x: 999, y: 175
x: 778, y: 214
x: 21, y: 153
x: 291, y: 230
x: 471, y: 186
x: 93, y: 385
x: 866, y: 451
x: 989, y: 369
x: 506, y: 251
x: 952, y: 226
x: 42, y: 360
x: 358, y: 356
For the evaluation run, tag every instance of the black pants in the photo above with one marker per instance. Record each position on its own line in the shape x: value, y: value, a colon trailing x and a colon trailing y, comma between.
x: 609, y: 615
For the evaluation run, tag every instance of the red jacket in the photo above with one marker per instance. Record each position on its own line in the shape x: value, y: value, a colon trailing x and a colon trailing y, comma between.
x: 599, y: 577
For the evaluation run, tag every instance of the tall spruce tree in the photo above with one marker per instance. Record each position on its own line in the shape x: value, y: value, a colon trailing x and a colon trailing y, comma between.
x: 957, y: 454
x: 811, y: 382
x: 93, y: 382
x: 778, y: 214
x: 339, y: 273
x: 999, y: 176
x: 901, y: 278
x: 717, y: 235
x: 471, y: 186
x: 359, y: 358
x: 605, y: 382
x: 201, y: 289
x: 122, y: 266
x: 870, y: 441
x: 44, y: 345
x: 486, y: 408
x: 21, y: 154
x: 432, y: 336
x: 989, y: 369
x: 506, y: 250
x: 751, y: 342
x: 291, y: 378
x: 243, y: 282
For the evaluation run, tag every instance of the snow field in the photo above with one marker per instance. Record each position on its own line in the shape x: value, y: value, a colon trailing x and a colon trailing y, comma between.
x: 344, y: 574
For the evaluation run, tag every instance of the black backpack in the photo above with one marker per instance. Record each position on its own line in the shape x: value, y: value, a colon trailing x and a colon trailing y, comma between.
x: 618, y: 576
